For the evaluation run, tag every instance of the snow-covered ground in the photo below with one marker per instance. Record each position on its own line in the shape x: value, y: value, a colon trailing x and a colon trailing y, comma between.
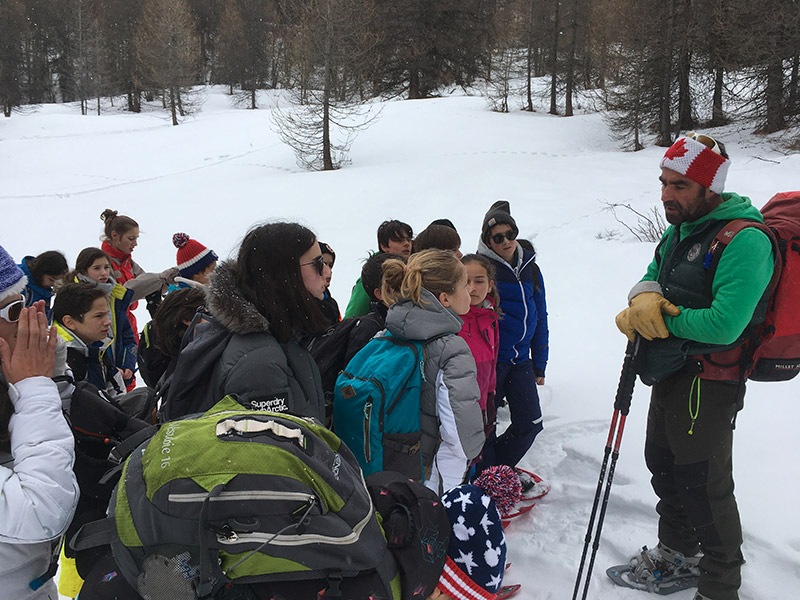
x: 223, y: 170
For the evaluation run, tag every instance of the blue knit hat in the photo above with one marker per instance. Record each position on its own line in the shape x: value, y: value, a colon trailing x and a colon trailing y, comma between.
x: 12, y: 279
x: 476, y: 556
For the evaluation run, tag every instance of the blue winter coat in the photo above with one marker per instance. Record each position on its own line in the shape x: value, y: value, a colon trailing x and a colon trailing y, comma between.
x: 523, y: 323
x: 34, y: 293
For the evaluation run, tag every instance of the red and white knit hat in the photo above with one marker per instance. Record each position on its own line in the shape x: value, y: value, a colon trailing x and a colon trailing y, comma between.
x: 193, y: 257
x: 698, y: 162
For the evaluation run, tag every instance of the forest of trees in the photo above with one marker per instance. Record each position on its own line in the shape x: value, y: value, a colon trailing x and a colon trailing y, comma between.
x: 655, y: 66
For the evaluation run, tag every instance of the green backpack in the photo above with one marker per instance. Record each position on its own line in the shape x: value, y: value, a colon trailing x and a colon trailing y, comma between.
x: 235, y: 496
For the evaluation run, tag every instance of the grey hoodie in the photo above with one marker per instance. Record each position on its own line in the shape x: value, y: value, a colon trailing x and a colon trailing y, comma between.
x: 452, y: 425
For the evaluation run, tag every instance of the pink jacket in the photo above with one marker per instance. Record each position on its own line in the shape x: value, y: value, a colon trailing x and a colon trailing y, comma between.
x: 480, y: 331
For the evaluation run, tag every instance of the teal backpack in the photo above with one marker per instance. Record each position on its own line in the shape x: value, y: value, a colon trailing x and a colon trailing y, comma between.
x: 235, y: 496
x: 376, y: 406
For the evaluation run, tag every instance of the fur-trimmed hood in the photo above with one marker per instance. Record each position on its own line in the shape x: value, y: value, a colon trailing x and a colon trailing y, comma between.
x: 226, y: 303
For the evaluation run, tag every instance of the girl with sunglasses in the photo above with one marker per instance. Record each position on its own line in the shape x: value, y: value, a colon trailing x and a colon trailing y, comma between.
x: 523, y: 353
x: 259, y: 304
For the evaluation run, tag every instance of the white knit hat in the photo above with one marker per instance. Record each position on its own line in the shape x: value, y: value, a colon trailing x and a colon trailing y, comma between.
x: 698, y: 162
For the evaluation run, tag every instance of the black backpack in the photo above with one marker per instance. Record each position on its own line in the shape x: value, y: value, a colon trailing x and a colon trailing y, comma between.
x: 188, y: 388
x: 417, y: 530
x: 99, y: 424
x: 329, y: 350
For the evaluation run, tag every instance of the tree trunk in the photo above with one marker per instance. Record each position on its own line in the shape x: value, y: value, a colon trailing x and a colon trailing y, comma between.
x: 554, y: 62
x: 172, y: 106
x: 327, y: 159
x: 529, y: 59
x: 793, y: 103
x: 717, y: 114
x: 253, y: 98
x: 571, y: 61
x: 413, y: 84
x: 774, y: 94
x: 685, y: 119
x: 665, y: 91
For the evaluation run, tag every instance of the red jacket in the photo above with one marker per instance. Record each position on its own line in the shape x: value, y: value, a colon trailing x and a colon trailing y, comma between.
x: 124, y: 269
x: 480, y: 331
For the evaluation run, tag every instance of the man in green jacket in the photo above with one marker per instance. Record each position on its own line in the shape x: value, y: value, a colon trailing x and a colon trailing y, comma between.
x: 693, y: 315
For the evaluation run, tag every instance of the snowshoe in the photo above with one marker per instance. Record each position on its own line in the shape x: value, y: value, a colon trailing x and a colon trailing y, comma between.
x: 520, y: 510
x: 533, y: 487
x: 507, y: 591
x: 658, y: 570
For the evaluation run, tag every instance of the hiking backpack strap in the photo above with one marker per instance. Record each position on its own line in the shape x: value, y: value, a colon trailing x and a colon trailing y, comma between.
x: 744, y: 360
x: 94, y: 534
x: 122, y: 450
x: 727, y: 233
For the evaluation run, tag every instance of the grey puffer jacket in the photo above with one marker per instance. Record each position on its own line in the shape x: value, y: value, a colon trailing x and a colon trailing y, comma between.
x: 265, y: 374
x: 452, y: 426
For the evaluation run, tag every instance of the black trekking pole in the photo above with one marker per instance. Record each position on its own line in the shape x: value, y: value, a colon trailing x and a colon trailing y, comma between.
x: 622, y: 405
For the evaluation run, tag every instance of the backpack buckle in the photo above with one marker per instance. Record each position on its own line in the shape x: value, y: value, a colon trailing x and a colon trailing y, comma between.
x: 334, y: 581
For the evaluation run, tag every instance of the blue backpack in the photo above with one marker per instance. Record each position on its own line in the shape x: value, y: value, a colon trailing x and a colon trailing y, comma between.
x: 376, y: 406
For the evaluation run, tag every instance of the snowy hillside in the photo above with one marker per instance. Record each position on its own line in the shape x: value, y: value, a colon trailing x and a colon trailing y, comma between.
x: 224, y: 169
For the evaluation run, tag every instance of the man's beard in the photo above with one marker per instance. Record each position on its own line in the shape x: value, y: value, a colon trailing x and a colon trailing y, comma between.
x: 700, y: 206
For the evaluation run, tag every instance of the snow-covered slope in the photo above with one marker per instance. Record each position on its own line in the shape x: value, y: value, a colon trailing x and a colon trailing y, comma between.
x: 224, y: 170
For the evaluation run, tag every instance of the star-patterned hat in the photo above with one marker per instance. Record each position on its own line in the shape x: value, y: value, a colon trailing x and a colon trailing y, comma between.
x: 476, y: 557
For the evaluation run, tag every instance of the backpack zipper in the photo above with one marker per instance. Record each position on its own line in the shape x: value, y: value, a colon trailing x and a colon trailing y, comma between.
x: 303, y: 539
x: 380, y: 389
x: 244, y: 495
x: 367, y: 428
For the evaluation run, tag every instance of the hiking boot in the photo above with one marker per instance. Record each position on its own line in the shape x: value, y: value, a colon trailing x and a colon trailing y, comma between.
x: 700, y: 596
x: 661, y: 568
x: 531, y: 488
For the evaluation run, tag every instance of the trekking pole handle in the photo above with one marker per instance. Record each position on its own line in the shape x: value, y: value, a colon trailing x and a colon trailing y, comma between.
x: 627, y: 379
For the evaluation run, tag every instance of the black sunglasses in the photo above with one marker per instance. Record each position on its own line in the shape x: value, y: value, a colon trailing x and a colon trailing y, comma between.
x: 498, y: 238
x: 318, y: 262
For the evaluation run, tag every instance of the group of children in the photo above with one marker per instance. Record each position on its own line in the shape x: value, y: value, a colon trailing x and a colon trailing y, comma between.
x: 482, y: 319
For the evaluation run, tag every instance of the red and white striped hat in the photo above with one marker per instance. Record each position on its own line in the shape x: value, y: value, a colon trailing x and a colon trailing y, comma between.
x: 698, y: 162
x: 192, y: 256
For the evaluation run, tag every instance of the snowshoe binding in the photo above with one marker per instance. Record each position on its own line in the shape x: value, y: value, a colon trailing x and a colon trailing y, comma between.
x: 658, y: 570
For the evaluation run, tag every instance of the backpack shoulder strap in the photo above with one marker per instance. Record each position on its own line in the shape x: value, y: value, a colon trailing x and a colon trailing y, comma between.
x: 728, y: 232
x: 94, y: 534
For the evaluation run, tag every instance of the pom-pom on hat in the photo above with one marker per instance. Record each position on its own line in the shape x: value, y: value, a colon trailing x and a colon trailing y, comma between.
x: 12, y: 279
x: 193, y: 257
x: 476, y: 556
x: 499, y: 213
x: 698, y: 162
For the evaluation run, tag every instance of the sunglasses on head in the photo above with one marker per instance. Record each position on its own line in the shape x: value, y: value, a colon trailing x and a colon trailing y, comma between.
x: 706, y: 140
x: 11, y: 312
x: 498, y: 238
x: 318, y: 262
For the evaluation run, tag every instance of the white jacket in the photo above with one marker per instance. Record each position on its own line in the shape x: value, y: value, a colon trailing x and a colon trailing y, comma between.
x: 38, y: 490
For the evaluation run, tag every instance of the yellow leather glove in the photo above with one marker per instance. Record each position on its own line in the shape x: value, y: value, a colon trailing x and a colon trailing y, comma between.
x: 646, y: 314
x: 623, y: 321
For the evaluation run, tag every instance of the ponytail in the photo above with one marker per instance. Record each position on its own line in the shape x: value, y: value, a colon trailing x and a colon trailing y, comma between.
x: 438, y: 271
x: 116, y: 222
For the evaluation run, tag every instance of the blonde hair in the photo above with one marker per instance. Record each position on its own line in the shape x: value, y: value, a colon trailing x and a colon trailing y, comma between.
x: 438, y: 271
